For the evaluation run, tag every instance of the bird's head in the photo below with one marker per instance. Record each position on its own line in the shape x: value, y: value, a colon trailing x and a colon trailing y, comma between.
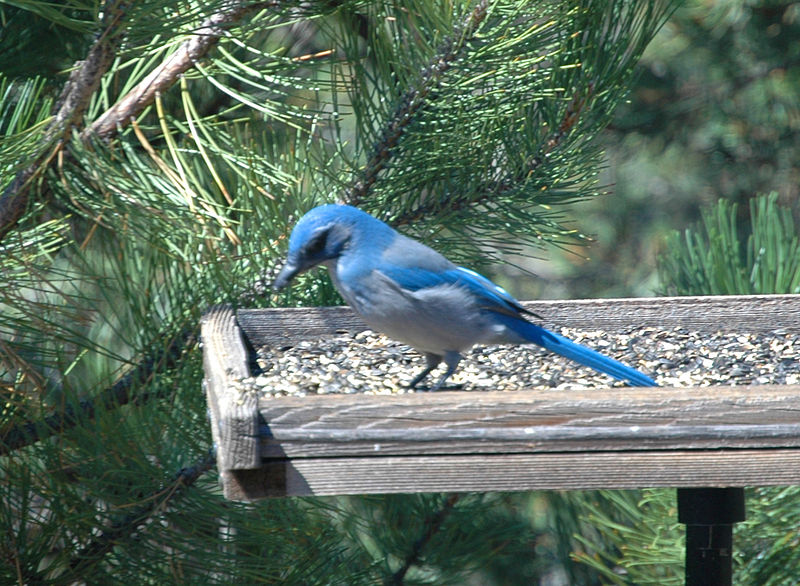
x: 324, y: 234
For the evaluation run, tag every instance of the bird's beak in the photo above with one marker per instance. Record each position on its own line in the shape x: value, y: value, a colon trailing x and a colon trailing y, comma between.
x: 287, y: 273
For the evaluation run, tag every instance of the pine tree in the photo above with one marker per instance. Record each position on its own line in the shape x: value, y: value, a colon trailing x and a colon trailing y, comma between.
x: 160, y: 173
x: 713, y: 114
x: 636, y: 538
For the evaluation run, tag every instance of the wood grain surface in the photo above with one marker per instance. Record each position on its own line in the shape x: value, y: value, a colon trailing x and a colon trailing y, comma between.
x: 745, y: 313
x: 618, y: 419
x: 493, y: 441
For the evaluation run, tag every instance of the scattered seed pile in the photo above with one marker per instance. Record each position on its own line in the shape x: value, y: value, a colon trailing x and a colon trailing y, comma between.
x: 370, y: 363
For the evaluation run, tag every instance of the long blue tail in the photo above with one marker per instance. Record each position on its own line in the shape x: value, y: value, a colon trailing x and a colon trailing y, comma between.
x: 581, y: 354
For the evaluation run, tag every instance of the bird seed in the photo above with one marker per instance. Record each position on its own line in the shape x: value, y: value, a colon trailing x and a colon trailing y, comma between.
x: 373, y: 364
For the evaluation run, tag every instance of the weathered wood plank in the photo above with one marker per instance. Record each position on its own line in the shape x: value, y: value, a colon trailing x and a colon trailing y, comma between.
x: 594, y: 420
x: 515, y: 472
x: 487, y: 441
x: 290, y: 324
x: 746, y: 313
x: 234, y: 415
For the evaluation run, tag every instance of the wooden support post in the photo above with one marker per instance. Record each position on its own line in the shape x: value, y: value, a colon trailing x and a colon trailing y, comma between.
x: 709, y: 515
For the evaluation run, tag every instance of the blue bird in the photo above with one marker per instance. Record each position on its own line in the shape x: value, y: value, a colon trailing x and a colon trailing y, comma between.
x: 412, y: 293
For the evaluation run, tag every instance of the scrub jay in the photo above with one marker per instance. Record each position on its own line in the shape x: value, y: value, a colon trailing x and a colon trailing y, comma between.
x: 412, y: 293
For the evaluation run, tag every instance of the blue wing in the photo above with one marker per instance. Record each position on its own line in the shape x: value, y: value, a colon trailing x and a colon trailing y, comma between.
x: 415, y: 267
x: 490, y: 296
x: 509, y: 312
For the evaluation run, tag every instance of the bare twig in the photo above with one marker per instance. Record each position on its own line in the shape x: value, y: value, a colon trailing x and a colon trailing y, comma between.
x: 432, y: 526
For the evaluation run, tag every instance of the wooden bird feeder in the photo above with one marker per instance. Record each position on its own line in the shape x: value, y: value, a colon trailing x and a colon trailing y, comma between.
x: 696, y: 439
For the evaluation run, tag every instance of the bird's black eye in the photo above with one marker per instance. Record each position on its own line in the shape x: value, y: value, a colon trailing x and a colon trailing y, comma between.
x: 316, y: 245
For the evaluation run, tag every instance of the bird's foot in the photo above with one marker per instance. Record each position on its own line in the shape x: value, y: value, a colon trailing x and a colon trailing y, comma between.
x: 439, y: 387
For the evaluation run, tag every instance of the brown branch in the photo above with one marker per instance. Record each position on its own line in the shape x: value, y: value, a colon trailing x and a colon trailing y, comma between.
x: 165, y: 75
x: 411, y: 103
x: 120, y: 393
x: 572, y: 114
x: 67, y: 113
x: 432, y: 526
x: 127, y: 527
x: 84, y: 81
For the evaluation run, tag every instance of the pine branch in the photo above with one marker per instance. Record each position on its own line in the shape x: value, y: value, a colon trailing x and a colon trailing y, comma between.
x: 411, y: 103
x: 120, y: 393
x: 68, y: 113
x: 432, y: 526
x: 571, y: 116
x: 85, y: 80
x: 168, y: 73
x: 126, y: 527
x: 415, y: 100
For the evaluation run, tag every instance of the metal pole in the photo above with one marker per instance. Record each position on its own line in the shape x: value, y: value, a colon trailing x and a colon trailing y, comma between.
x: 709, y: 515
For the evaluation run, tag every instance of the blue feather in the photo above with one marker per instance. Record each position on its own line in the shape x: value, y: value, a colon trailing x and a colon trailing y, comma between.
x: 580, y: 354
x: 490, y: 296
x: 411, y: 292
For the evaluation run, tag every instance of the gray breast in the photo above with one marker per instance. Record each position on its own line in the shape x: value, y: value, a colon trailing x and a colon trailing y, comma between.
x: 436, y: 320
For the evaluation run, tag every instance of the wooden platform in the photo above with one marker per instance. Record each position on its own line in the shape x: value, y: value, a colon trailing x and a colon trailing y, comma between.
x: 502, y: 441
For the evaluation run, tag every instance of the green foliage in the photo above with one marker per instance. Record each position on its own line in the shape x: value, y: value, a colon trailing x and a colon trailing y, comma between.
x: 43, y: 37
x: 631, y: 537
x: 717, y: 115
x: 712, y: 114
x: 719, y: 260
x: 766, y: 543
x: 461, y: 122
x: 24, y: 109
x: 637, y: 539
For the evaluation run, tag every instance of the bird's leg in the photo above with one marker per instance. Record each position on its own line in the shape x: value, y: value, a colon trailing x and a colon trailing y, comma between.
x: 433, y: 361
x: 451, y: 359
